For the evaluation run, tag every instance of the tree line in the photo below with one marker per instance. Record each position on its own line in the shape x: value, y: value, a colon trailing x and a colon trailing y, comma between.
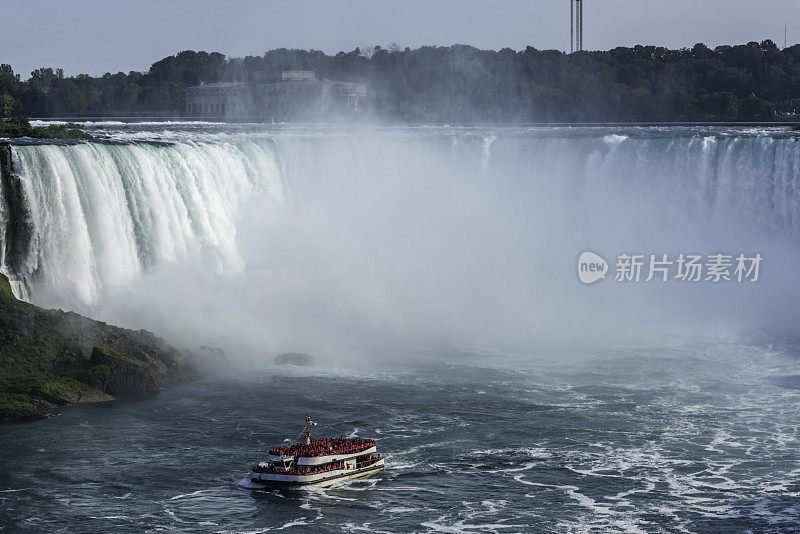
x: 457, y: 84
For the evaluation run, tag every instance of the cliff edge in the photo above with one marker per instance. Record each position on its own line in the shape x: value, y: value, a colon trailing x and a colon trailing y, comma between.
x: 51, y: 358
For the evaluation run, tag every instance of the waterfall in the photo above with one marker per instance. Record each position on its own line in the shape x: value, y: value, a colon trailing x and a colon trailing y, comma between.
x: 103, y: 213
x: 430, y: 229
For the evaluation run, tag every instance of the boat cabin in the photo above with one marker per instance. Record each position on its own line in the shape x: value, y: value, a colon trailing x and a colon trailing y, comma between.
x: 283, y: 464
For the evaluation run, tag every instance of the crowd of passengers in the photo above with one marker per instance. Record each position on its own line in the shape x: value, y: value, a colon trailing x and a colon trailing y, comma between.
x: 362, y: 461
x: 323, y: 447
x: 305, y: 470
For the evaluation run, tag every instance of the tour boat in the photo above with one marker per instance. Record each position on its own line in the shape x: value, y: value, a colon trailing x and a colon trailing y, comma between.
x: 319, y: 462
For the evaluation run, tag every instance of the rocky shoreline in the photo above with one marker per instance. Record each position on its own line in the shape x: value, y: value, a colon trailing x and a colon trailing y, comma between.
x: 51, y: 358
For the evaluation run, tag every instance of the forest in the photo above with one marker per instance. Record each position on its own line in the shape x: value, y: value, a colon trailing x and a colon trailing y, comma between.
x: 459, y: 83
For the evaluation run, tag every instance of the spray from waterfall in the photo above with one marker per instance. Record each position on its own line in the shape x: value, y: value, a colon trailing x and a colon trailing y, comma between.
x: 343, y: 241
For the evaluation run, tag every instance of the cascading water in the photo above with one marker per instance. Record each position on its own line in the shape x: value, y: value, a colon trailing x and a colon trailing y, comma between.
x: 390, y: 228
x: 104, y: 213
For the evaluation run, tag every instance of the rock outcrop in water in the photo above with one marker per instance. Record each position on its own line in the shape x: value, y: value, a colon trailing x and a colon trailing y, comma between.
x: 51, y: 358
x: 294, y: 358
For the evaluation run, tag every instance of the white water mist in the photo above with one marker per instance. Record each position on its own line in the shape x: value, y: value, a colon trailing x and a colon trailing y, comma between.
x: 333, y: 242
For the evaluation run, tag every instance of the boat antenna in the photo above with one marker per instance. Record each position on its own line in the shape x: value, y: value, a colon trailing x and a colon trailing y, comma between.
x: 307, y: 429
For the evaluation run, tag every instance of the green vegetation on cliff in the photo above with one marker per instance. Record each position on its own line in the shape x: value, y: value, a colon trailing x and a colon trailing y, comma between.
x: 20, y: 127
x: 49, y: 358
x: 746, y: 82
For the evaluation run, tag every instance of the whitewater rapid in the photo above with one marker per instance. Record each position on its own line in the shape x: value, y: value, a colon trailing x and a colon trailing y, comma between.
x: 390, y: 226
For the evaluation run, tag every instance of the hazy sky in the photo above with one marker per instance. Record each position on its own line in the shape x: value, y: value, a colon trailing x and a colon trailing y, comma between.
x: 96, y: 36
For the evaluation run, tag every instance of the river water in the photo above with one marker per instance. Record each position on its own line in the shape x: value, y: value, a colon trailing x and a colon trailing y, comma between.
x: 671, y: 439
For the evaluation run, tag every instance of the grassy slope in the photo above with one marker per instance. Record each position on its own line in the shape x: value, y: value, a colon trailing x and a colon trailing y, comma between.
x: 49, y: 358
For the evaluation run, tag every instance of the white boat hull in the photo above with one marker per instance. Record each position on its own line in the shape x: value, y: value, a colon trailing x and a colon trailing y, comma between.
x: 319, y: 480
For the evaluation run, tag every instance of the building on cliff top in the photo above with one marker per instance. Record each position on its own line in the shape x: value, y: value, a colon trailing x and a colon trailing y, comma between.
x: 294, y: 95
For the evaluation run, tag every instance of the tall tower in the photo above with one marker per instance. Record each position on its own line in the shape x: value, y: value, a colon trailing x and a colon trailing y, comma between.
x: 572, y: 26
x: 575, y: 25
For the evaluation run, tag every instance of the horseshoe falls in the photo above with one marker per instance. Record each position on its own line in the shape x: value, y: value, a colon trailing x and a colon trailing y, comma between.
x: 432, y: 274
x: 461, y: 236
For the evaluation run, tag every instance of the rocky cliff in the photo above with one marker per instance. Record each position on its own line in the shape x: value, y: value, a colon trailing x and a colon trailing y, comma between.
x: 16, y: 229
x: 50, y: 358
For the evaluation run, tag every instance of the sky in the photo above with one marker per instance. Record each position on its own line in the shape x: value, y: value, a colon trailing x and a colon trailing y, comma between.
x: 98, y: 36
